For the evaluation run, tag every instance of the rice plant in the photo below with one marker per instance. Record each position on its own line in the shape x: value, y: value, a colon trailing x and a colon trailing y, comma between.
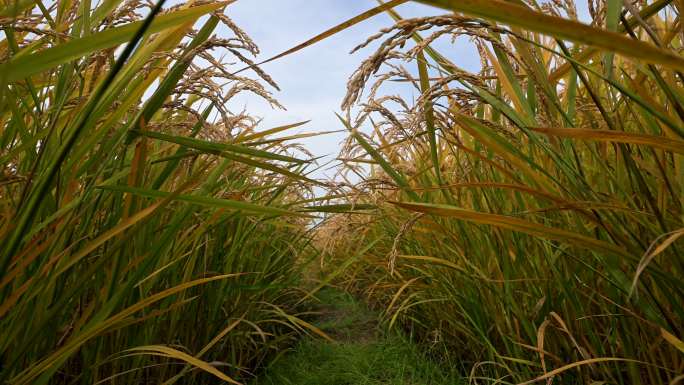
x: 522, y: 222
x: 148, y: 233
x: 527, y: 216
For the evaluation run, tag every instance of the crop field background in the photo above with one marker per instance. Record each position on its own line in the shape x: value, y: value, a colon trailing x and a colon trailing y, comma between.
x: 517, y: 224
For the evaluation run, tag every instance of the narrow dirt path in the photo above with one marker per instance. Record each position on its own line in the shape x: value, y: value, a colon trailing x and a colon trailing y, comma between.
x: 361, y: 354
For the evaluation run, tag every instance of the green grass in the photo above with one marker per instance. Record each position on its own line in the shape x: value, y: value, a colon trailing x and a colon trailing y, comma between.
x: 362, y: 353
x: 342, y: 316
x: 391, y: 361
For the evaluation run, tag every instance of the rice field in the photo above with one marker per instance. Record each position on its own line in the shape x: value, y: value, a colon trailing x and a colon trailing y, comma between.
x: 518, y: 224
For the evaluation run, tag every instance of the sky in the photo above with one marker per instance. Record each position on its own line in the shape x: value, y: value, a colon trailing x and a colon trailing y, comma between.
x: 313, y: 81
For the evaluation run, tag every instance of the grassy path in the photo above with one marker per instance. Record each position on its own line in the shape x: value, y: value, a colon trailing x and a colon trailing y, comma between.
x: 361, y: 353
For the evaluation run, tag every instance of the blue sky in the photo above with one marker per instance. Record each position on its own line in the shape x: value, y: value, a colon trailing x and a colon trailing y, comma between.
x: 313, y: 81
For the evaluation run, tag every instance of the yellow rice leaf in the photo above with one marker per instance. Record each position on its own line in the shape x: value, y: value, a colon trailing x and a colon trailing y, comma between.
x: 165, y: 351
x: 523, y: 17
x: 673, y: 340
x: 505, y: 82
x: 436, y: 260
x: 338, y: 28
x: 484, y: 135
x: 580, y: 363
x: 660, y: 142
x: 654, y: 251
x: 516, y: 224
